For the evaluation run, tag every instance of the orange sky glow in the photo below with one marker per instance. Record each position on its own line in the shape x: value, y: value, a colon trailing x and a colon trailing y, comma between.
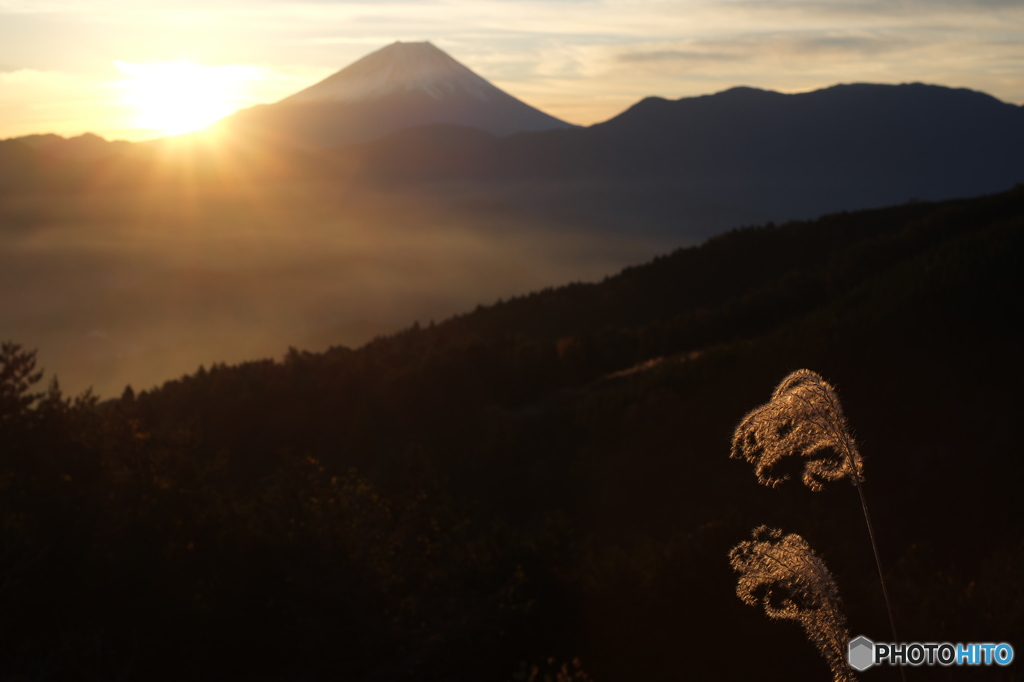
x: 127, y: 70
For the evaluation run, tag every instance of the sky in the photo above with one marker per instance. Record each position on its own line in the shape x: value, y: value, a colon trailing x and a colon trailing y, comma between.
x: 137, y: 69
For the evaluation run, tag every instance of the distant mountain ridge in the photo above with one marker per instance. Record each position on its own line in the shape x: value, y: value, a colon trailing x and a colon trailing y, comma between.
x: 691, y: 167
x: 779, y: 155
x: 87, y: 146
x: 399, y: 86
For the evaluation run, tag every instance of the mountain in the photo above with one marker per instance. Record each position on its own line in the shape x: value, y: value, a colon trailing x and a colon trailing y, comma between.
x: 689, y: 168
x: 399, y: 86
x: 776, y: 155
x: 49, y: 160
x: 84, y: 147
x: 865, y: 133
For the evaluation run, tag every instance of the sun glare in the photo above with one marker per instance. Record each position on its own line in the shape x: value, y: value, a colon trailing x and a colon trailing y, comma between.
x: 177, y: 97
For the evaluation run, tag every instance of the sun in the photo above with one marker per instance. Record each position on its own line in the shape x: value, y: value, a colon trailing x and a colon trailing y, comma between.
x: 177, y: 97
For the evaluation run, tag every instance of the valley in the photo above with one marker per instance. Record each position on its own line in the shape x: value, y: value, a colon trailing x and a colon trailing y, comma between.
x: 136, y: 288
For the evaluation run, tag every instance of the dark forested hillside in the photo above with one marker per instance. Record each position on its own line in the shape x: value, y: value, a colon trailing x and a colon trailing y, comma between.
x: 541, y: 480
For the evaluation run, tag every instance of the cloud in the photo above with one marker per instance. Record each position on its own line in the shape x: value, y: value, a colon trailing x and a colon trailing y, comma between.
x: 791, y: 47
x: 37, y: 101
x: 877, y: 8
x: 675, y: 56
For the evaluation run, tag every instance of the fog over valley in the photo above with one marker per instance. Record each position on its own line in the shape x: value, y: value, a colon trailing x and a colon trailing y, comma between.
x: 136, y: 287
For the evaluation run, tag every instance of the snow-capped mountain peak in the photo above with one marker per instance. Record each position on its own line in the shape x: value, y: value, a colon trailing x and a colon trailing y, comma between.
x: 401, y: 66
x: 403, y: 85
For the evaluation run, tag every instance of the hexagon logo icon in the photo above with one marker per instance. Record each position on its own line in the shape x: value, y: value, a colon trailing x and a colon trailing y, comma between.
x: 861, y: 653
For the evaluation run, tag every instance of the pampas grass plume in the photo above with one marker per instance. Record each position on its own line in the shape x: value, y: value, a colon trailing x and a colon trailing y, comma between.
x: 804, y: 420
x: 782, y: 573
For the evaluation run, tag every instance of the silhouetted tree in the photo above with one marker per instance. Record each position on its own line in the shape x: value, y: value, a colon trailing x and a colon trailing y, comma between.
x: 17, y: 375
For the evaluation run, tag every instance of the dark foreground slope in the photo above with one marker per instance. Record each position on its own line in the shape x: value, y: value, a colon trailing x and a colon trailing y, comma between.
x: 546, y: 477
